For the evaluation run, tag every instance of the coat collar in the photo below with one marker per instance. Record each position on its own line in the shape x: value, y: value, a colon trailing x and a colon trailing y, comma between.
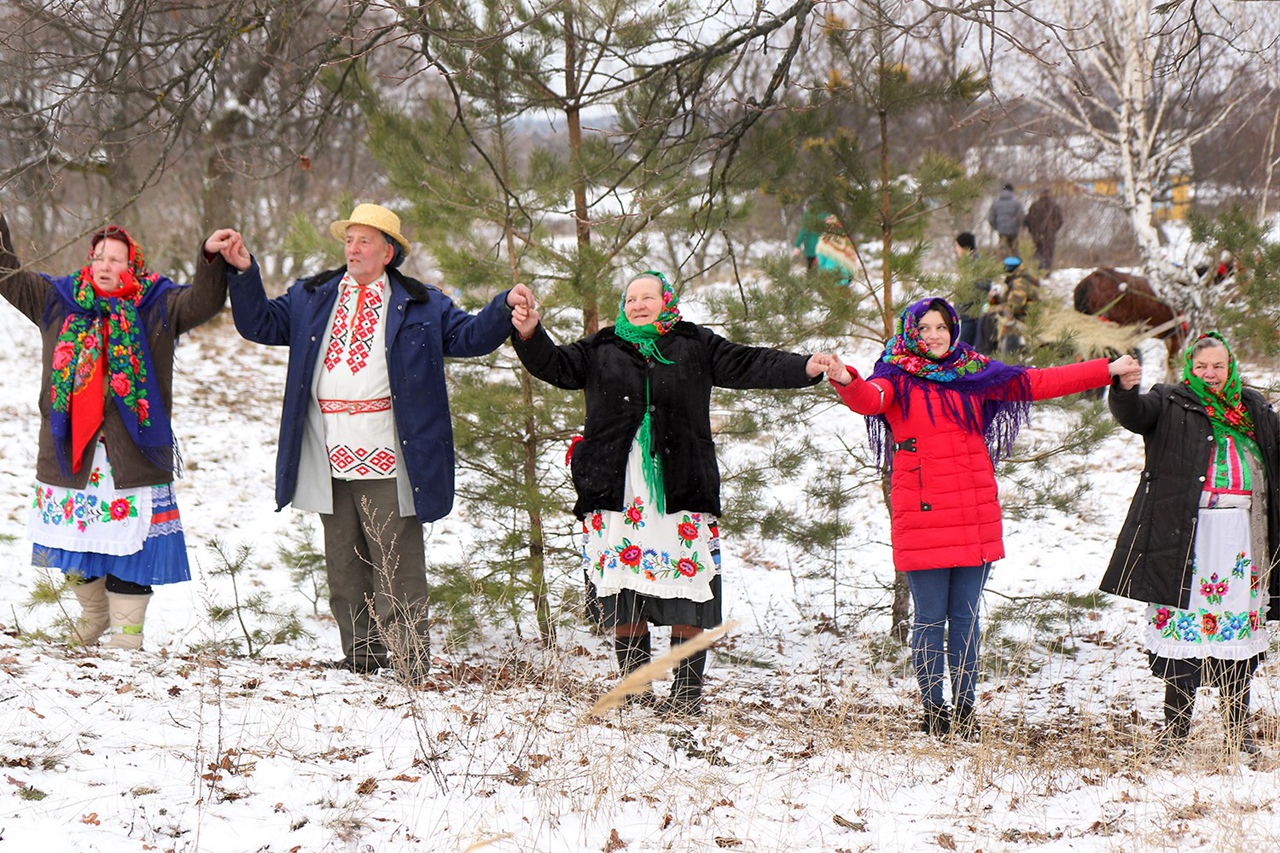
x: 415, y: 290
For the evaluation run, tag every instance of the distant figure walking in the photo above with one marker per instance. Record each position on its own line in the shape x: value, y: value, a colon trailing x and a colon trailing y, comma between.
x: 1006, y: 217
x: 1044, y: 220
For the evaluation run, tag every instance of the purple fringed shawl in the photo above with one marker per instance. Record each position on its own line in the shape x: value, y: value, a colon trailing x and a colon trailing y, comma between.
x: 991, y: 398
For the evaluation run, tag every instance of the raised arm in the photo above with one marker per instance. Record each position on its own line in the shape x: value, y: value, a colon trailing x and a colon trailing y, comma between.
x: 27, y: 291
x: 561, y: 366
x: 201, y: 302
x: 739, y: 366
x: 862, y: 396
x: 257, y: 318
x: 1136, y: 412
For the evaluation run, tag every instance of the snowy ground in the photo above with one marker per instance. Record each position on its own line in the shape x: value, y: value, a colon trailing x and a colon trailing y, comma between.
x: 810, y: 741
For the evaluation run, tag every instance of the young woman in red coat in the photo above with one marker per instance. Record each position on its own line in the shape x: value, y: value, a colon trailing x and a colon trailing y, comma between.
x: 938, y: 413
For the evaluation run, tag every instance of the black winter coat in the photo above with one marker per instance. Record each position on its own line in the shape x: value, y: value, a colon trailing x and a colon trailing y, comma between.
x: 612, y: 372
x: 1153, y: 556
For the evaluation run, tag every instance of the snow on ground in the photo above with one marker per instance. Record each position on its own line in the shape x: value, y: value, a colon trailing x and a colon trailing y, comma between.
x: 810, y: 742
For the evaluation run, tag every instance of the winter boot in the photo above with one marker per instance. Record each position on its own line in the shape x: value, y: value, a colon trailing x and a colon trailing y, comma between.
x: 94, y: 618
x: 127, y: 613
x: 1179, y: 702
x: 965, y: 726
x: 634, y: 652
x: 937, y: 720
x: 1233, y: 693
x: 686, y: 686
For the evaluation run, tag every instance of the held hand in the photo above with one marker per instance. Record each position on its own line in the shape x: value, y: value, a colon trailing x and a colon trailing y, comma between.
x: 818, y: 364
x: 1127, y: 370
x: 525, y: 319
x: 838, y: 373
x: 228, y: 243
x: 520, y: 295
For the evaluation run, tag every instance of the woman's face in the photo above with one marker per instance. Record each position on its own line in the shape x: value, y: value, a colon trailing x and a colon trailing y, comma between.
x: 109, y: 261
x: 934, y: 333
x: 644, y: 300
x: 1210, y: 365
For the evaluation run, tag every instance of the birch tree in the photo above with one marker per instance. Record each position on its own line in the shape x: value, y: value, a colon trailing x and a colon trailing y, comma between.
x: 1117, y: 74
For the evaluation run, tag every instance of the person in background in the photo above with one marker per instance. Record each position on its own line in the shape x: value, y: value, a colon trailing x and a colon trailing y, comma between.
x: 105, y: 512
x: 365, y: 435
x: 973, y: 291
x: 1008, y: 308
x: 938, y: 415
x: 1044, y: 221
x: 645, y: 469
x: 1005, y: 216
x: 1202, y: 535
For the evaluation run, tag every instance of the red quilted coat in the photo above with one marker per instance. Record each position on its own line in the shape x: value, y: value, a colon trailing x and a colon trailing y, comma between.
x: 946, y: 510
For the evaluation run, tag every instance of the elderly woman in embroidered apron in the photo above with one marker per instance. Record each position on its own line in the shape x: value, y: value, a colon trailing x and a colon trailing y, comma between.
x: 645, y: 469
x: 1202, y: 534
x: 104, y: 510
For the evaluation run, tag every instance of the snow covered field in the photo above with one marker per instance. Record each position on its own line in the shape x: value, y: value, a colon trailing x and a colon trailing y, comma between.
x: 810, y: 742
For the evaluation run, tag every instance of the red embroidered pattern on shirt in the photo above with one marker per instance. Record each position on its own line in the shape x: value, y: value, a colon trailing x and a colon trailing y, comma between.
x: 337, y: 335
x: 346, y: 459
x: 368, y: 307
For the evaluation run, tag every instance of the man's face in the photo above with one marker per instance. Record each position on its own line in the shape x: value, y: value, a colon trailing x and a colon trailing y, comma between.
x: 368, y: 253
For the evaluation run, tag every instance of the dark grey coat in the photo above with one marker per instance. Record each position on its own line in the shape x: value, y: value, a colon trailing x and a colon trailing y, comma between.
x: 1153, y: 556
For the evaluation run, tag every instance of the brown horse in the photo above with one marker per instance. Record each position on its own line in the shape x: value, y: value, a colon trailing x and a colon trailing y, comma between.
x: 1128, y: 300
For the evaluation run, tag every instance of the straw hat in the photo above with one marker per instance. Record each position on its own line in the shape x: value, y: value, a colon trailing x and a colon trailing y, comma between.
x: 375, y: 216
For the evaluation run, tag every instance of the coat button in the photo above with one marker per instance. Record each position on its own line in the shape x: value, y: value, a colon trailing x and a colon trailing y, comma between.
x: 925, y: 507
x: 626, y: 399
x: 1202, y: 479
x: 313, y: 339
x: 653, y: 408
x: 1210, y: 438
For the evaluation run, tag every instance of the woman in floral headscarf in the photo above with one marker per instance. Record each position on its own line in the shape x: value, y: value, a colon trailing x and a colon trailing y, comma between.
x: 1202, y: 534
x: 645, y: 468
x: 938, y: 412
x: 104, y: 510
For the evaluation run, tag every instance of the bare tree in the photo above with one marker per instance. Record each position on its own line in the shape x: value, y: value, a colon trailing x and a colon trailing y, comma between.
x: 1115, y: 74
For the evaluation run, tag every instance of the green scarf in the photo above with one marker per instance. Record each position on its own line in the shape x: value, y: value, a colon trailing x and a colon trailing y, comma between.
x: 645, y: 339
x: 1227, y: 413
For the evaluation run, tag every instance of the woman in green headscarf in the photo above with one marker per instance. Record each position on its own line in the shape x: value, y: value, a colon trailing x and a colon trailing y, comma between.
x: 1202, y: 534
x: 645, y: 468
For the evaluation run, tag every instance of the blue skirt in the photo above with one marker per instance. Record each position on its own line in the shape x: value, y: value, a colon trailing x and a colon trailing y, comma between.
x: 162, y: 560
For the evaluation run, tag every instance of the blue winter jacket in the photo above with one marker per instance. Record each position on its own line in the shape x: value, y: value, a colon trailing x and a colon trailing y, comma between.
x: 423, y: 328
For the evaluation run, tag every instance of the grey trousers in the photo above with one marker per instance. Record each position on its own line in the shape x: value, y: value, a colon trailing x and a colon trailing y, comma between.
x: 375, y: 556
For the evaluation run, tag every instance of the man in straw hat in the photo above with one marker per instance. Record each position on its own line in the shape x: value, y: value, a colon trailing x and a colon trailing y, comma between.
x: 365, y: 434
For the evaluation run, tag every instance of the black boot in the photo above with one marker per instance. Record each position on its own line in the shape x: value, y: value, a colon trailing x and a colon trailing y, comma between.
x: 1233, y: 693
x: 686, y: 686
x: 966, y: 723
x: 937, y: 720
x: 1179, y: 701
x: 634, y: 652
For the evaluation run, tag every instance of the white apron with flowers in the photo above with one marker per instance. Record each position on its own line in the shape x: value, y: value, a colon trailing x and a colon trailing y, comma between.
x: 665, y: 556
x: 99, y: 518
x: 1226, y: 616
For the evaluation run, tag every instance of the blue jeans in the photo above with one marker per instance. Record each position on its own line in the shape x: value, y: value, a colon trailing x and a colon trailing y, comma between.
x: 946, y: 600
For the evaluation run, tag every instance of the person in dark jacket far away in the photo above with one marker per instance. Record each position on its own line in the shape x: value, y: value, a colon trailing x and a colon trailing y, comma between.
x: 365, y: 434
x: 938, y: 412
x: 1202, y: 535
x: 1044, y: 220
x: 645, y: 469
x: 1005, y: 216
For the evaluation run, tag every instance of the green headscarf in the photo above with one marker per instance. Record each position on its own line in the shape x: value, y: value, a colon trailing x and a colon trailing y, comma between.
x: 1227, y: 413
x: 645, y: 338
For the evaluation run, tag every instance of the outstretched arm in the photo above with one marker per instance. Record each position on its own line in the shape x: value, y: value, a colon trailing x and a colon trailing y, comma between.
x: 863, y: 397
x: 27, y: 291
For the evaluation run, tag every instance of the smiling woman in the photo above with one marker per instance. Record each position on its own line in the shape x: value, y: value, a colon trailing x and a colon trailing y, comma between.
x: 938, y: 412
x: 645, y: 470
x: 105, y: 511
x: 1202, y: 534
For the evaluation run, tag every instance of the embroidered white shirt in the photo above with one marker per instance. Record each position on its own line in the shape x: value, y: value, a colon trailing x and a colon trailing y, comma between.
x: 354, y: 387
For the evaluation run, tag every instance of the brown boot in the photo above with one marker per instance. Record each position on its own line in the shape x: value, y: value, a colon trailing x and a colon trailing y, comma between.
x: 128, y: 612
x: 94, y: 618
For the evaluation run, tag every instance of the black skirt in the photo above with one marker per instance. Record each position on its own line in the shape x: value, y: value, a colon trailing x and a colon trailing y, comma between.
x: 631, y: 606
